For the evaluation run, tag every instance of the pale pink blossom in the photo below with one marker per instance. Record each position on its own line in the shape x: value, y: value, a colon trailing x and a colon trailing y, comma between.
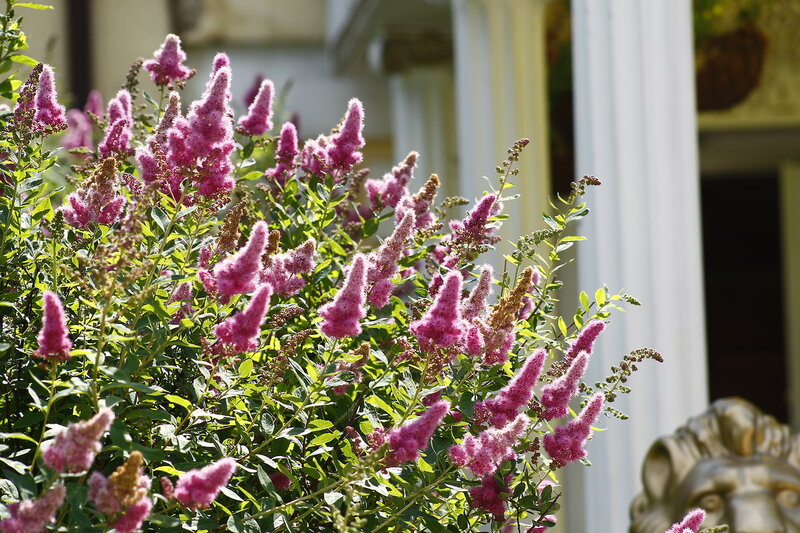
x: 94, y: 103
x: 74, y: 447
x: 285, y: 155
x: 475, y: 304
x: 388, y: 191
x: 133, y: 517
x: 383, y: 262
x: 586, y: 339
x: 49, y: 113
x: 483, y: 454
x: 489, y: 495
x: 31, y: 516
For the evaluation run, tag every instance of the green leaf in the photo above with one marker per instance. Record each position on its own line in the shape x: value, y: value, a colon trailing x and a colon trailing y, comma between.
x: 423, y: 465
x: 562, y: 327
x: 319, y: 440
x: 24, y: 60
x: 31, y: 5
x: 584, y: 298
x: 600, y: 297
x: 160, y: 218
x: 332, y: 497
x: 186, y: 404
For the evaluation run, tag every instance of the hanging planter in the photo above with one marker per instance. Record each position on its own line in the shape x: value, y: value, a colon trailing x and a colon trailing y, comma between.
x: 729, y: 67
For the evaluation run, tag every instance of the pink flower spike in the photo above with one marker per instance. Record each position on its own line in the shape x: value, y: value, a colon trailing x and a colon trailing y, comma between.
x: 167, y: 64
x: 220, y: 60
x: 566, y: 443
x: 49, y: 112
x: 383, y: 261
x: 285, y: 155
x: 117, y: 139
x: 341, y: 316
x: 133, y: 517
x: 514, y: 397
x: 586, y: 339
x: 196, y: 489
x: 31, y: 516
x: 442, y: 325
x: 556, y: 395
x: 242, y: 329
x: 79, y: 131
x: 258, y: 120
x: 301, y: 259
x: 94, y: 103
x: 238, y: 274
x: 691, y: 522
x: 208, y: 120
x: 343, y: 152
x: 408, y: 440
x: 54, y: 343
x: 74, y: 448
x: 484, y: 453
x: 487, y: 495
x: 389, y: 190
x: 475, y: 304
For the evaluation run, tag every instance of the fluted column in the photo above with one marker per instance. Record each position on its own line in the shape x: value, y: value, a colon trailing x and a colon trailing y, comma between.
x: 500, y: 82
x: 635, y: 125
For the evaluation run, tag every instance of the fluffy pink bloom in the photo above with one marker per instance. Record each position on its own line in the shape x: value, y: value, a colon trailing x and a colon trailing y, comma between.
x: 283, y: 271
x: 442, y: 325
x: 167, y: 64
x: 94, y: 103
x: 556, y: 395
x: 421, y: 203
x: 585, y: 340
x: 74, y: 448
x: 383, y: 261
x: 171, y: 113
x: 514, y: 397
x: 54, y: 343
x: 133, y: 517
x: 314, y: 156
x: 238, y: 274
x: 31, y: 516
x: 489, y: 495
x: 406, y: 441
x: 242, y: 329
x: 258, y: 120
x: 117, y: 139
x: 474, y: 343
x: 475, y: 304
x: 220, y: 60
x: 196, y: 489
x: 566, y: 443
x: 79, y: 131
x: 49, y: 113
x: 208, y: 118
x: 343, y: 314
x: 691, y: 522
x: 120, y: 107
x: 484, y: 453
x: 343, y: 151
x: 97, y: 201
x: 284, y: 155
x: 393, y: 186
x: 214, y: 175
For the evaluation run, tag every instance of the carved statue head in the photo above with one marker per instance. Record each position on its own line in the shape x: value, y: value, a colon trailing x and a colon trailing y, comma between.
x: 740, y: 465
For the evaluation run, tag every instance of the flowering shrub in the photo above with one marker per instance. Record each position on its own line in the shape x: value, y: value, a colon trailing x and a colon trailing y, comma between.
x: 211, y: 308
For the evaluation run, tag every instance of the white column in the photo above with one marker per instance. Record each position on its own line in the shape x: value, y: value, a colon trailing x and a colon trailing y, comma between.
x: 500, y: 72
x: 423, y: 120
x: 635, y: 125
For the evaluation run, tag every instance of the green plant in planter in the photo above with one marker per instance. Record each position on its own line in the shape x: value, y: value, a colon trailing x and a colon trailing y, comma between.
x: 206, y: 334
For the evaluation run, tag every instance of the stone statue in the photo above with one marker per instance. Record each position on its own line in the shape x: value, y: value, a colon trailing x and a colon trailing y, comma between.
x: 740, y: 465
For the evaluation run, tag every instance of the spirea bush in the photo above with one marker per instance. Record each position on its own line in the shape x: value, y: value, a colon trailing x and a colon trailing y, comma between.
x: 209, y: 326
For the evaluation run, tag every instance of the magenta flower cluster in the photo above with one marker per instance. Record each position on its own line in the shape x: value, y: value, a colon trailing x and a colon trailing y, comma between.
x: 442, y: 325
x: 167, y: 66
x: 514, y: 397
x: 196, y: 489
x: 258, y: 120
x: 383, y: 262
x: 238, y: 274
x: 337, y: 153
x: 285, y: 155
x: 556, y: 395
x: 406, y: 441
x: 484, y: 453
x: 105, y: 499
x: 54, y: 342
x: 389, y: 190
x: 48, y: 112
x: 690, y: 523
x: 284, y: 271
x: 74, y: 448
x: 342, y: 316
x: 241, y: 330
x: 566, y: 443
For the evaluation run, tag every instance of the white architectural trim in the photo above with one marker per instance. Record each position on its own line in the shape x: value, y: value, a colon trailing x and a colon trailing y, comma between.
x: 635, y: 125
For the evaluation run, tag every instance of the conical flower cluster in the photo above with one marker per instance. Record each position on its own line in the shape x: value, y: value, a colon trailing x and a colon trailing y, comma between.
x: 196, y: 489
x: 75, y: 447
x: 342, y: 316
x: 54, y: 343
